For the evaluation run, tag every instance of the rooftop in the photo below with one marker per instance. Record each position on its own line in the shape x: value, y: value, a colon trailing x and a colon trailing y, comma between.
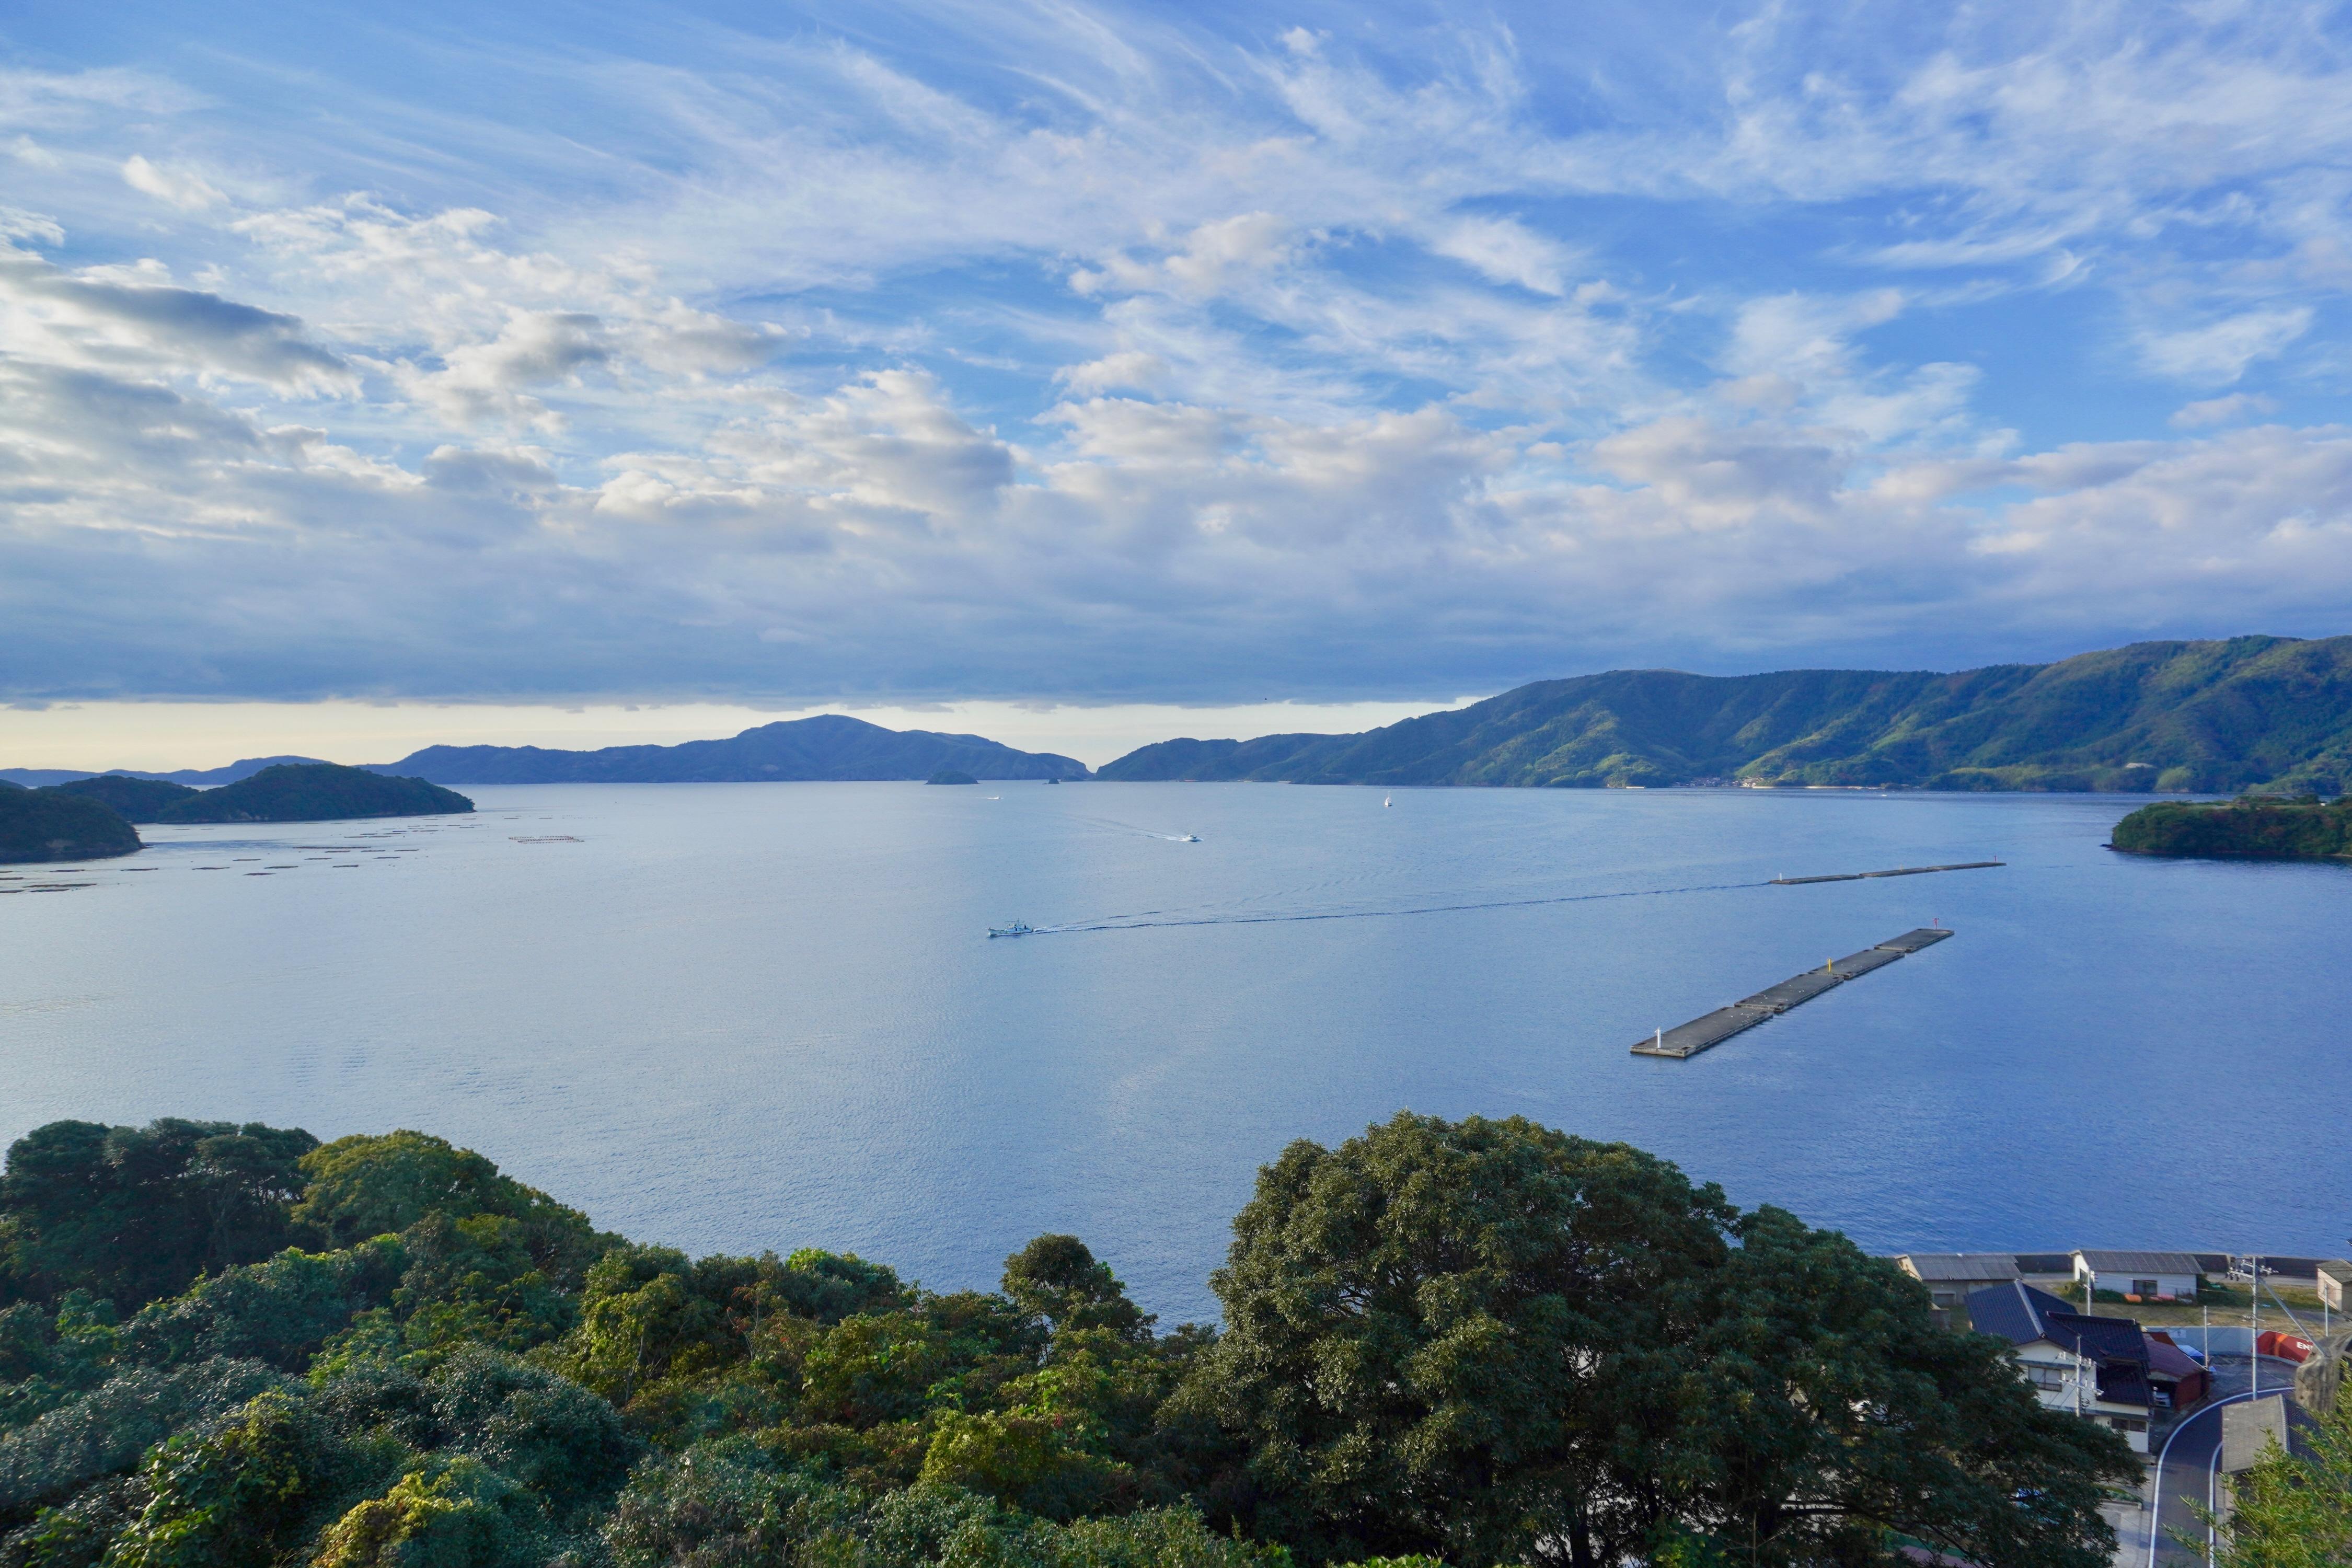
x: 1960, y: 1265
x: 2140, y: 1262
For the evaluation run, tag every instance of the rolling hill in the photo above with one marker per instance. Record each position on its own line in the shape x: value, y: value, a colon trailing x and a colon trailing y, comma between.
x: 2216, y: 717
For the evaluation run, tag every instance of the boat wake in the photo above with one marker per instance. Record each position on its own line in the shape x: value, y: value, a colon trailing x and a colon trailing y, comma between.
x: 1149, y: 920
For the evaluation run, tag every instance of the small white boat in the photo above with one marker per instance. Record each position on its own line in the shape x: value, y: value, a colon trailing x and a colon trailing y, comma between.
x: 1190, y: 838
x: 1018, y: 928
x: 1388, y: 800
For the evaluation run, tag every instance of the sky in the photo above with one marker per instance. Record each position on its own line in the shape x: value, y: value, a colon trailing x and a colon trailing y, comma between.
x: 552, y: 370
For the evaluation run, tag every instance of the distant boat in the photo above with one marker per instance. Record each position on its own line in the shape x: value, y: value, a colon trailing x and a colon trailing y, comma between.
x: 1018, y: 928
x: 1190, y: 838
x: 1388, y: 800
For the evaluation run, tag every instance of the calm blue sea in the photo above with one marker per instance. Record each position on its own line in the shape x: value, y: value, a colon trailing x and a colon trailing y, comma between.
x: 739, y: 1016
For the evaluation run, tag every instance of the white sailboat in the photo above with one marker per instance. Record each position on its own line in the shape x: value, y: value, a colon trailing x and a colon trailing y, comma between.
x: 1388, y: 800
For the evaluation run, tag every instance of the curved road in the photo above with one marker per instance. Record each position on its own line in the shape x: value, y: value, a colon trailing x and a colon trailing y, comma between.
x: 2184, y: 1472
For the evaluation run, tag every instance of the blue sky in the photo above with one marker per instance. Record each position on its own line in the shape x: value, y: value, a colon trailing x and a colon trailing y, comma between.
x: 1084, y: 353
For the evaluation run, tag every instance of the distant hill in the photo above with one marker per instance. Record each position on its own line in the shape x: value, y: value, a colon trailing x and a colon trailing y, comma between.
x: 137, y: 799
x: 2188, y: 716
x: 198, y: 777
x: 312, y: 791
x: 829, y: 746
x: 39, y: 825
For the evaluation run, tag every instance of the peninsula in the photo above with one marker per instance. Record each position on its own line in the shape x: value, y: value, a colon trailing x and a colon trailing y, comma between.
x: 2192, y: 717
x: 2248, y: 830
x: 311, y: 792
x: 38, y: 824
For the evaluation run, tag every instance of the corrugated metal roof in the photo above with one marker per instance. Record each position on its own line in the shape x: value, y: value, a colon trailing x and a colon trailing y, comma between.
x: 1942, y: 1266
x: 2337, y: 1269
x: 2140, y: 1262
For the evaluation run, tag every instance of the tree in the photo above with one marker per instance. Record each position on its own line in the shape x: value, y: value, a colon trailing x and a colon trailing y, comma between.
x: 364, y: 1186
x: 1494, y: 1342
x: 2294, y: 1510
x: 132, y: 1213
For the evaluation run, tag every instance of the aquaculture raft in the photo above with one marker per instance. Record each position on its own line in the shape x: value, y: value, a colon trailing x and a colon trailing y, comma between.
x: 1714, y: 1028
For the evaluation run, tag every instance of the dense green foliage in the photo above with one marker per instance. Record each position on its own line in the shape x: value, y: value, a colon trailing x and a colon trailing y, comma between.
x: 2206, y: 717
x: 2255, y: 828
x: 39, y: 825
x: 1481, y: 1342
x: 313, y: 792
x: 136, y: 800
x: 2294, y: 1510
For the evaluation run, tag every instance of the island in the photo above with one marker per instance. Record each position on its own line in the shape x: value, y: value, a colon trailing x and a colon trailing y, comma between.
x: 2251, y: 828
x: 312, y: 791
x: 39, y: 825
x: 950, y: 776
x: 136, y: 798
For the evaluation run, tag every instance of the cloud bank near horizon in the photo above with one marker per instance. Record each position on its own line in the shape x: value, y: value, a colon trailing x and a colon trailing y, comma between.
x: 1110, y: 354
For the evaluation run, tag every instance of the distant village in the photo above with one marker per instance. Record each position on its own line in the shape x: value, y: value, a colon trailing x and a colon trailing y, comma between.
x: 2149, y: 1343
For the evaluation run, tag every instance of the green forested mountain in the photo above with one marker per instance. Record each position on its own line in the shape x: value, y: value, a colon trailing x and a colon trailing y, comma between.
x: 37, y: 825
x: 311, y: 792
x: 2190, y: 716
x: 1484, y: 1342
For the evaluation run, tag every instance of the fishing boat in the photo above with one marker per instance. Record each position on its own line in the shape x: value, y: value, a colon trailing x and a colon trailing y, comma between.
x: 1190, y: 838
x: 1018, y: 928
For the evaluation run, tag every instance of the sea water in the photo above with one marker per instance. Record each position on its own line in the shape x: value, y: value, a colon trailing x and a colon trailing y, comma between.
x: 742, y: 1016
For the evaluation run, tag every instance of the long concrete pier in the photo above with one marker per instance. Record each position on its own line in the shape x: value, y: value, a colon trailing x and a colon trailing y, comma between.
x: 1714, y: 1028
x: 1899, y: 872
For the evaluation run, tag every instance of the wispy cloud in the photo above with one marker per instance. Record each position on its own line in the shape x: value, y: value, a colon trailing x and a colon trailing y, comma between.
x: 1050, y: 352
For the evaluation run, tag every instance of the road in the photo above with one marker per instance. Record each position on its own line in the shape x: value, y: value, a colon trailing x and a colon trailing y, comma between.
x: 2185, y: 1474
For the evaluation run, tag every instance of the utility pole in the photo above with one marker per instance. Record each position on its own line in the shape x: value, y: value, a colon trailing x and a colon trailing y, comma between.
x: 2254, y: 1323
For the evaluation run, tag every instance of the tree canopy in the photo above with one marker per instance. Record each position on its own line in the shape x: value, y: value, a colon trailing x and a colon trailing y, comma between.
x: 1466, y: 1343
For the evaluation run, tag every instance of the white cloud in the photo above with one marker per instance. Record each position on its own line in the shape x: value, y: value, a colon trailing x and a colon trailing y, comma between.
x: 2221, y: 351
x: 1506, y: 252
x: 2226, y: 410
x: 182, y: 189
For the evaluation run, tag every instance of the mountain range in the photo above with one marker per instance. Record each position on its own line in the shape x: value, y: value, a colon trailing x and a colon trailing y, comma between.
x: 2205, y: 717
x: 829, y: 746
x: 2214, y: 717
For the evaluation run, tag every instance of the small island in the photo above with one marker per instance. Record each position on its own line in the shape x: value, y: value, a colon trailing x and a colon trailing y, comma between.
x: 312, y: 791
x: 950, y: 776
x: 38, y: 824
x: 2250, y: 829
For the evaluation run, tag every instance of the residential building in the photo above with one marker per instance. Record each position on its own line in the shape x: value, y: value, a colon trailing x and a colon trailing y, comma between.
x: 2334, y: 1275
x: 2175, y: 1379
x: 1951, y: 1277
x: 2148, y: 1276
x: 2096, y: 1367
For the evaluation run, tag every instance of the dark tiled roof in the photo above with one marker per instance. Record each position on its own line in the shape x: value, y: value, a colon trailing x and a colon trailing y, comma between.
x: 1941, y: 1266
x: 2021, y: 1315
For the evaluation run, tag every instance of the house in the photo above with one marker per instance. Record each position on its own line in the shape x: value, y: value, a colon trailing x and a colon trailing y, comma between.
x: 2334, y: 1275
x: 2175, y: 1380
x: 1951, y: 1277
x: 2095, y: 1367
x: 2146, y: 1276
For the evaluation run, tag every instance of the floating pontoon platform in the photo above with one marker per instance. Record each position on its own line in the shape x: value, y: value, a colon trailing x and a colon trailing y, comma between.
x: 1714, y: 1028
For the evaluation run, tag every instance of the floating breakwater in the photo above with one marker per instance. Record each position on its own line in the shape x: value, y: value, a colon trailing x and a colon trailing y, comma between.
x: 1714, y: 1028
